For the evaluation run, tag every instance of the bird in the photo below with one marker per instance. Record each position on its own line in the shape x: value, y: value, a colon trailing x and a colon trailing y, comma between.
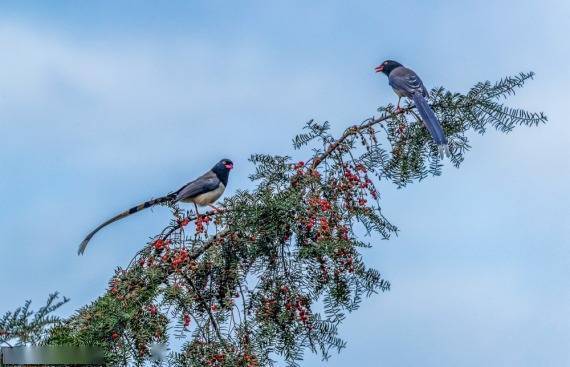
x: 406, y: 83
x: 204, y: 190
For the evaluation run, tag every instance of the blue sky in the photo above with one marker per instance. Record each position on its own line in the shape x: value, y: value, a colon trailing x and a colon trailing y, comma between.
x: 104, y: 104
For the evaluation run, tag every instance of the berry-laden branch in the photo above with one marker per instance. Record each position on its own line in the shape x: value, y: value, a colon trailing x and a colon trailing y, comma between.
x: 354, y: 130
x: 274, y: 273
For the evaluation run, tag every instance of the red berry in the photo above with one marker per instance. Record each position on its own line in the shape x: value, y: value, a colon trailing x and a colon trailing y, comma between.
x: 159, y: 244
x: 311, y: 223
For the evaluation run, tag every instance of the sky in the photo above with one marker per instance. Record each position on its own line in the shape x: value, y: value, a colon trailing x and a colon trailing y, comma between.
x: 105, y: 104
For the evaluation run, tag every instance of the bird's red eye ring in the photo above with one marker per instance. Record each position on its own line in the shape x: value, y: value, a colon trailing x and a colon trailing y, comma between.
x: 229, y: 165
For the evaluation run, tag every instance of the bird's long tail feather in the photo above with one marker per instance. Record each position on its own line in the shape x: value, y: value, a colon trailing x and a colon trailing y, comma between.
x: 126, y: 213
x: 432, y: 123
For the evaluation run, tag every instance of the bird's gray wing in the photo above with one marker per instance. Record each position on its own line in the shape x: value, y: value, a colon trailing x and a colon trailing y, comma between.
x: 201, y: 185
x: 406, y: 80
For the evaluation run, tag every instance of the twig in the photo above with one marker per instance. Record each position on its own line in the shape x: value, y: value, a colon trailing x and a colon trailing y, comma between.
x: 205, y: 305
x: 164, y: 235
x: 353, y: 130
x: 191, y: 219
x: 194, y: 255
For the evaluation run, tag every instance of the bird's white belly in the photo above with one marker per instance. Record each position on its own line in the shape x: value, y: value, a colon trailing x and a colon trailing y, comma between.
x: 208, y: 197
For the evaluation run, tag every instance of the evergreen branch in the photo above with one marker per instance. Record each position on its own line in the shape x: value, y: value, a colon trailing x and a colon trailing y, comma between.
x: 288, y: 247
x: 205, y: 305
x: 24, y: 326
x: 353, y: 131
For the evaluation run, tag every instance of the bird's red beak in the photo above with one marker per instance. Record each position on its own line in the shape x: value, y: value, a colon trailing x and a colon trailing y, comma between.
x: 229, y: 165
x: 379, y: 68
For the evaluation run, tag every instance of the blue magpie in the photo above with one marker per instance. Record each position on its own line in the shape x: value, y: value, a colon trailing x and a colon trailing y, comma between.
x: 406, y: 83
x: 205, y: 190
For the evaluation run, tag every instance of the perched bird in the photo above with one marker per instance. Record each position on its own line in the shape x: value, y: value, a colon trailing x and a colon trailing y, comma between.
x: 406, y: 83
x: 205, y: 190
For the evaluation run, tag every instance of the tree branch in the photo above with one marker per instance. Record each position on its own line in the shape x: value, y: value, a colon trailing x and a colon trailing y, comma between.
x: 353, y: 130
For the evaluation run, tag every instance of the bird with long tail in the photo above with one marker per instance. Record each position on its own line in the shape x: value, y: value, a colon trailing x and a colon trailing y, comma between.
x: 406, y: 83
x: 205, y: 190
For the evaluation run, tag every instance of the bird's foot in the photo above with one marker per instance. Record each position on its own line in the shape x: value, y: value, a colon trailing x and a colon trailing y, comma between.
x: 215, y: 209
x: 399, y: 110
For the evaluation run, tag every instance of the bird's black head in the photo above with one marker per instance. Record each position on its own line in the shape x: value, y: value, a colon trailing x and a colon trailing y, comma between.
x: 222, y: 170
x: 387, y: 66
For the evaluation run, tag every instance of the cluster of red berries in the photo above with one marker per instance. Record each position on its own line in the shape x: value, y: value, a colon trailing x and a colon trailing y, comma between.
x: 201, y: 223
x: 319, y: 211
x: 324, y: 224
x: 353, y: 181
x: 360, y: 167
x: 302, y: 310
x: 310, y: 223
x: 401, y: 128
x: 183, y: 222
x: 149, y: 261
x: 269, y: 308
x: 161, y: 244
x: 250, y: 361
x: 142, y: 349
x: 351, y: 177
x: 216, y: 360
x: 179, y: 257
x: 186, y: 320
x: 152, y: 309
x: 302, y: 171
x: 298, y: 305
x: 321, y: 203
x: 175, y: 258
x: 114, y: 284
x: 345, y: 260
